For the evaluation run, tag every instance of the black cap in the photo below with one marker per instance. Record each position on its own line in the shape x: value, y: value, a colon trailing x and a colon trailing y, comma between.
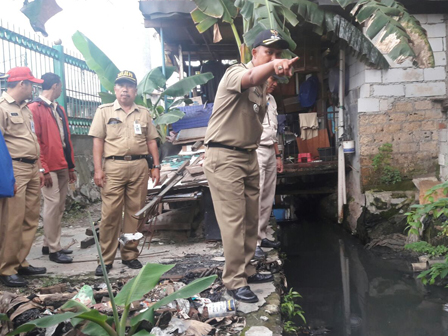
x: 270, y: 38
x: 126, y: 76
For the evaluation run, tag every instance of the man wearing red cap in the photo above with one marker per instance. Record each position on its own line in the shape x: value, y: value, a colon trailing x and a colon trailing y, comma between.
x: 17, y: 126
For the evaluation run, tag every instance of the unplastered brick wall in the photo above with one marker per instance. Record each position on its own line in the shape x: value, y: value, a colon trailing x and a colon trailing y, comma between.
x: 402, y: 106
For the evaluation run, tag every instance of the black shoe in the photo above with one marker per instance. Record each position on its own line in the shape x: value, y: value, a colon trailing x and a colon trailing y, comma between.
x: 46, y: 251
x: 135, y: 263
x: 269, y: 243
x: 31, y: 270
x: 243, y: 294
x: 259, y: 254
x: 60, y: 258
x: 99, y: 270
x: 66, y: 251
x: 13, y: 280
x: 259, y: 278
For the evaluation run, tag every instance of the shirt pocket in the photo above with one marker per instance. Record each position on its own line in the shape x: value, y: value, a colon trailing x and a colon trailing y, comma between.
x: 18, y: 126
x: 255, y: 100
x: 114, y: 131
x: 144, y: 133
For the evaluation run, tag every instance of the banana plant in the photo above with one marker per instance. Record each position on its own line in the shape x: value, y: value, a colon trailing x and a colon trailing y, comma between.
x: 97, y: 324
x: 154, y: 81
x: 402, y: 36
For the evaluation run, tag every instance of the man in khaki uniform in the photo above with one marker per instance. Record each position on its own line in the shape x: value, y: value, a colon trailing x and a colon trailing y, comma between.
x: 270, y: 163
x: 17, y: 125
x: 124, y: 134
x: 231, y: 163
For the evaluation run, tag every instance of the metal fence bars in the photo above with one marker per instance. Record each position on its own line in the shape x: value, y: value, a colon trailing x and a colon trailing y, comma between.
x: 80, y: 84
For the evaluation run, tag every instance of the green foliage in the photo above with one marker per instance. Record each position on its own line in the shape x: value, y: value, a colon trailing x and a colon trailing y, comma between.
x: 4, y: 317
x: 387, y: 174
x: 155, y: 80
x: 423, y: 247
x: 290, y: 309
x: 439, y: 270
x: 99, y: 324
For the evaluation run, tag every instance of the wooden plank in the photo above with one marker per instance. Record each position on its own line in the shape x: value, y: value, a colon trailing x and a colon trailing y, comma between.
x: 311, y: 145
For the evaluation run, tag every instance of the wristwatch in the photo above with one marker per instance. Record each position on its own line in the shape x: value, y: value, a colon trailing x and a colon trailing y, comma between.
x: 156, y: 166
x: 42, y: 170
x: 278, y: 155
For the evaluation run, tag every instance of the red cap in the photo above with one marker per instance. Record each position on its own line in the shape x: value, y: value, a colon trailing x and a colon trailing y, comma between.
x: 21, y: 74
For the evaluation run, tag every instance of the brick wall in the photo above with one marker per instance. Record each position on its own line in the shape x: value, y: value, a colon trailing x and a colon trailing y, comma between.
x: 400, y: 106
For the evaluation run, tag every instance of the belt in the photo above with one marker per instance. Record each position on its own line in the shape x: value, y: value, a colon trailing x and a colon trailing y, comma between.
x: 267, y: 146
x: 127, y: 157
x: 219, y: 145
x: 30, y: 161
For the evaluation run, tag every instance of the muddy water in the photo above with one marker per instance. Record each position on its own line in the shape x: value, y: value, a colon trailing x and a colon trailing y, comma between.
x: 348, y: 290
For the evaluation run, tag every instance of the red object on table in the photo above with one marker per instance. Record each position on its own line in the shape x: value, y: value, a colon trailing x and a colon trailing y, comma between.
x: 304, y: 157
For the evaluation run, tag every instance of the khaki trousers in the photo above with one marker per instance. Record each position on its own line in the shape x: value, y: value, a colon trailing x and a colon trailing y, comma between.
x: 233, y: 178
x: 54, y: 205
x: 23, y: 219
x: 268, y: 180
x: 125, y: 190
x: 3, y: 219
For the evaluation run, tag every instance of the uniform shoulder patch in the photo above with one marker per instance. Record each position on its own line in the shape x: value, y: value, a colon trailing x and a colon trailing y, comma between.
x: 105, y: 105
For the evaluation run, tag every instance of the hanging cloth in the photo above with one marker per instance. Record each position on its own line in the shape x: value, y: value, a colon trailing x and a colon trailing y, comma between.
x: 309, y: 127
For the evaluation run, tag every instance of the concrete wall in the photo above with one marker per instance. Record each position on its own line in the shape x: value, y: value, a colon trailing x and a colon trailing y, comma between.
x: 86, y: 191
x: 401, y: 106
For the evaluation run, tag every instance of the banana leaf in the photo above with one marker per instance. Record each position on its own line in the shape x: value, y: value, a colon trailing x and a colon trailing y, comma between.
x: 147, y: 279
x: 106, y: 97
x: 189, y: 290
x: 184, y: 86
x: 179, y: 102
x: 155, y: 79
x: 44, y: 322
x: 96, y: 60
x: 218, y: 9
x: 394, y: 31
x: 169, y: 117
x: 4, y: 317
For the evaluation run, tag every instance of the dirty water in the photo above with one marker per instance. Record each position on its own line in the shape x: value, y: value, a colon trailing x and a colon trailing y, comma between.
x: 348, y: 290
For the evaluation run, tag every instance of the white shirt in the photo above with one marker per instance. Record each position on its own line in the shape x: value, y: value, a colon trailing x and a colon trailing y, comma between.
x: 269, y: 135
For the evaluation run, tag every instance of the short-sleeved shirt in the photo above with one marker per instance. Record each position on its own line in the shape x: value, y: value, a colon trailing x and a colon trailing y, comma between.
x: 237, y: 114
x: 270, y: 123
x: 120, y: 130
x: 17, y: 126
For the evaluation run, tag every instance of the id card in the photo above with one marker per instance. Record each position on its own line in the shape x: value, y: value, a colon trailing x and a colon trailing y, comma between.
x: 137, y: 128
x: 32, y: 126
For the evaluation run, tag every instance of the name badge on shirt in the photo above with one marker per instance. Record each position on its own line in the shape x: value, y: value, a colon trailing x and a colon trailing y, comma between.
x: 32, y: 126
x: 137, y: 127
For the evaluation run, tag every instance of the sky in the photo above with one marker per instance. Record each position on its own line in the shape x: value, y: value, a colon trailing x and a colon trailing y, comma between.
x: 115, y: 26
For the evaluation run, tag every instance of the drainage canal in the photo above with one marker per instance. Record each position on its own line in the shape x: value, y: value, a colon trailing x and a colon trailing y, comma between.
x: 348, y: 290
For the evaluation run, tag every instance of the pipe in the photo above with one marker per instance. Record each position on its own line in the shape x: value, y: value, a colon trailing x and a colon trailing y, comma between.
x: 163, y: 62
x: 189, y: 69
x: 181, y: 63
x: 342, y: 193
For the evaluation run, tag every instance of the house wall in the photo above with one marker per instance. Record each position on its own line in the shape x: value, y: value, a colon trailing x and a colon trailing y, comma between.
x: 401, y: 106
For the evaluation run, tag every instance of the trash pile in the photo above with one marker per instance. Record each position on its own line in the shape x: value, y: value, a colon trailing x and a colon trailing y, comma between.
x: 207, y: 313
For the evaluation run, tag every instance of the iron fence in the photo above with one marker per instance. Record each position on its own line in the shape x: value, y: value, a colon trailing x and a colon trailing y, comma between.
x: 80, y: 84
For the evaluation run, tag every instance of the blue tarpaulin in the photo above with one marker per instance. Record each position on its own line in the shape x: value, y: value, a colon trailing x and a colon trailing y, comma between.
x: 195, y: 116
x: 6, y: 172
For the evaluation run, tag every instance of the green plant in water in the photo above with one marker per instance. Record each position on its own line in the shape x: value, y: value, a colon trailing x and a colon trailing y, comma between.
x: 162, y: 114
x: 102, y: 325
x: 439, y: 270
x: 382, y: 165
x: 426, y: 248
x: 290, y: 309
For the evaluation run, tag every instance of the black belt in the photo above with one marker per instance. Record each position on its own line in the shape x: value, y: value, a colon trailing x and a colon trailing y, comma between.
x: 219, y: 145
x: 267, y: 146
x: 127, y: 157
x: 30, y: 161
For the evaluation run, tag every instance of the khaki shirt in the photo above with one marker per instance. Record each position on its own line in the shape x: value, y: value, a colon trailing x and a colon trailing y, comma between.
x: 119, y: 132
x: 17, y: 126
x: 237, y: 114
x: 54, y: 106
x: 270, y: 124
